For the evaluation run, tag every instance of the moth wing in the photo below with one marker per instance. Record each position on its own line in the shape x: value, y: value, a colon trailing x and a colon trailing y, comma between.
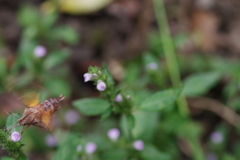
x: 47, y: 120
x: 30, y: 99
x: 25, y: 89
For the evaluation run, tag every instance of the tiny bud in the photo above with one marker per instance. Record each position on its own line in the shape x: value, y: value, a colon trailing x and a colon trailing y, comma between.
x: 71, y: 117
x: 15, y: 136
x: 138, y: 145
x: 79, y: 148
x: 40, y: 51
x: 50, y: 141
x: 119, y: 98
x: 101, y: 86
x: 113, y: 134
x: 152, y: 66
x: 95, y: 75
x: 87, y: 77
x: 216, y: 137
x: 90, y: 147
x: 128, y: 97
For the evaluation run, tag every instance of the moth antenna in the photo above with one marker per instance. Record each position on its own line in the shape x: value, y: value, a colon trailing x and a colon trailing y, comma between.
x: 61, y: 97
x: 9, y: 128
x: 9, y: 114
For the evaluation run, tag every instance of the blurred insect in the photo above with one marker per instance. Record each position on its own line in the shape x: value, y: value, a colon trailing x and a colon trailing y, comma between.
x: 35, y: 113
x: 39, y: 115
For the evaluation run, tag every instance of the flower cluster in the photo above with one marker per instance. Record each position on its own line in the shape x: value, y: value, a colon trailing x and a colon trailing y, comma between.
x: 95, y: 74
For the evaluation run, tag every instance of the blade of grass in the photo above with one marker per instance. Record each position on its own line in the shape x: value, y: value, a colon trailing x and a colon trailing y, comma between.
x: 169, y: 52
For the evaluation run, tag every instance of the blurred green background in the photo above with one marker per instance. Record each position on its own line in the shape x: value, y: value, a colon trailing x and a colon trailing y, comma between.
x: 148, y: 46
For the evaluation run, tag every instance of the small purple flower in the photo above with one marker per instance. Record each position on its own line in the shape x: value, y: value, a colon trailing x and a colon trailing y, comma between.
x: 90, y: 147
x: 87, y: 77
x: 216, y: 137
x: 119, y: 98
x: 138, y: 145
x: 101, y: 86
x: 50, y: 141
x: 71, y: 117
x: 113, y: 134
x: 79, y: 148
x: 40, y: 51
x: 211, y: 156
x: 15, y: 136
x: 152, y: 66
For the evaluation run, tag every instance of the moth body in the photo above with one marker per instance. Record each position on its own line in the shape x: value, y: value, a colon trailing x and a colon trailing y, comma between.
x: 41, y: 114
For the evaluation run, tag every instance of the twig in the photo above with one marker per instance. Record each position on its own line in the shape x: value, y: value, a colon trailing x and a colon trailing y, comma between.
x: 216, y: 107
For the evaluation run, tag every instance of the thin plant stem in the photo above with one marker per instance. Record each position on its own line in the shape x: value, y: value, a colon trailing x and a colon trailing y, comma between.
x: 169, y: 52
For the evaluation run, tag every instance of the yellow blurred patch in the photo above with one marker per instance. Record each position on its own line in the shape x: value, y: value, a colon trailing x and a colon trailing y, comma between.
x: 47, y: 120
x: 30, y: 99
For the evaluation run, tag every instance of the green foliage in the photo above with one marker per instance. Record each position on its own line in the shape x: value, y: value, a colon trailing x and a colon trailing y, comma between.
x: 160, y: 100
x: 7, y: 144
x: 200, y: 83
x: 11, y: 119
x: 67, y: 149
x: 91, y: 106
x: 152, y: 153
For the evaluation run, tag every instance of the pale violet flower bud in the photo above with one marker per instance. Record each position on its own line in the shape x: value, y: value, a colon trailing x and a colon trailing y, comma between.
x: 87, y: 77
x: 101, y: 86
x: 79, y: 148
x: 40, y: 51
x: 90, y: 147
x: 211, y: 156
x: 152, y: 66
x: 138, y: 145
x: 119, y: 98
x: 50, y: 141
x: 113, y: 134
x: 71, y: 117
x: 128, y: 97
x: 15, y: 136
x: 95, y: 75
x: 216, y: 137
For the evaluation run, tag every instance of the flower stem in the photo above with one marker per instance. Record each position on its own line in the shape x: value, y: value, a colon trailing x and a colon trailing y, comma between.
x: 169, y: 52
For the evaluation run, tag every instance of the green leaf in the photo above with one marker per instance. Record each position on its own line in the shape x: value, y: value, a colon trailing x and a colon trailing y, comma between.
x: 22, y: 157
x: 124, y: 125
x: 160, y: 100
x: 66, y: 34
x: 131, y: 121
x: 57, y: 86
x: 28, y: 15
x: 152, y: 153
x: 49, y: 20
x: 114, y: 154
x: 68, y: 149
x: 11, y: 119
x: 200, y: 83
x: 109, y: 76
x: 145, y: 124
x: 55, y: 58
x: 91, y: 106
x: 7, y: 158
x: 106, y: 114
